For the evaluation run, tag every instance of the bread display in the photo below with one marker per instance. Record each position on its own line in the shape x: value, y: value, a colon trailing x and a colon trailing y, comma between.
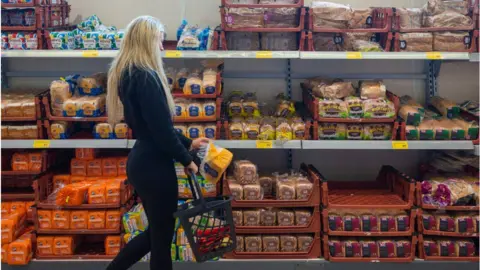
x: 286, y: 218
x: 416, y: 42
x: 332, y: 131
x: 245, y: 17
x: 368, y: 221
x: 331, y: 15
x: 251, y: 218
x: 451, y: 41
x: 288, y: 243
x: 271, y: 243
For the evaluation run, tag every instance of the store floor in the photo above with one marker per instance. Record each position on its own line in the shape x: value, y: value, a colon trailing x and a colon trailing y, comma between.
x: 253, y: 265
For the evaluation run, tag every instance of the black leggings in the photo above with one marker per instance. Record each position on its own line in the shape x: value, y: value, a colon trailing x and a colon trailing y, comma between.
x: 159, y: 194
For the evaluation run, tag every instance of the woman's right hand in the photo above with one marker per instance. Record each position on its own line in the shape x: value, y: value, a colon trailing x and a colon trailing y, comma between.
x: 192, y: 167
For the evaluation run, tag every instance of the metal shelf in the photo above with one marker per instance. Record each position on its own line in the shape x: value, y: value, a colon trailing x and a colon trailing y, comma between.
x: 28, y: 144
x: 386, y: 55
x: 388, y: 145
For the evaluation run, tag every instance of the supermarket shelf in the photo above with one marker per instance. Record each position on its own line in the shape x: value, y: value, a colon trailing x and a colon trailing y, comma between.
x: 385, y: 55
x: 311, y: 264
x: 87, y: 232
x: 244, y: 144
x: 18, y: 196
x: 388, y: 145
x: 28, y: 144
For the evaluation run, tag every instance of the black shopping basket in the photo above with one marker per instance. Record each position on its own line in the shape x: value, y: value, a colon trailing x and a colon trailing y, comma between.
x: 208, y: 224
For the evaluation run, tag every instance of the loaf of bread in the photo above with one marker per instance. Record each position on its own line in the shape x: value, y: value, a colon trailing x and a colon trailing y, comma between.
x: 354, y: 106
x: 464, y: 223
x: 209, y: 83
x: 285, y: 190
x: 253, y: 243
x: 445, y: 223
x: 181, y: 78
x: 448, y: 19
x: 210, y: 131
x: 244, y: 17
x: 195, y: 131
x: 377, y: 132
x: 403, y: 248
x: 370, y: 222
x: 281, y: 18
x: 303, y: 188
x: 410, y: 18
x: 304, y: 243
x: 333, y: 108
x: 355, y: 132
x: 429, y: 221
x: 332, y: 131
x: 416, y: 42
x: 335, y: 222
x: 336, y: 247
x: 387, y: 249
x: 402, y: 222
x: 245, y: 172
x: 60, y: 92
x: 351, y: 223
x: 268, y: 217
x: 193, y: 84
x: 103, y: 131
x: 237, y: 217
x: 288, y: 243
x: 302, y: 217
x: 252, y: 192
x: 448, y: 248
x: 330, y: 89
x: 92, y: 106
x: 240, y: 244
x: 361, y: 18
x: 236, y: 131
x: 330, y: 15
x: 93, y: 85
x: 465, y: 248
x: 388, y: 223
x: 59, y: 130
x: 267, y: 183
x: 271, y: 243
x: 372, y: 89
x: 451, y: 41
x: 251, y: 129
x: 352, y: 248
x: 369, y: 248
x: 378, y: 108
x: 251, y: 217
x: 431, y: 247
x: 236, y: 190
x: 194, y: 110
x: 286, y: 218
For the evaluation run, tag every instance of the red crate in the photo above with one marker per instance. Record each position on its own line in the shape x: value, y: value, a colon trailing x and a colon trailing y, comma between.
x: 221, y: 41
x: 391, y: 190
x: 326, y: 228
x: 228, y: 4
x: 382, y: 19
x: 471, y: 48
x: 421, y: 229
x: 313, y: 200
x: 326, y: 255
x: 419, y: 203
x: 46, y: 17
x: 44, y: 188
x: 33, y: 3
x: 218, y: 102
x: 421, y: 252
x: 386, y: 40
x: 314, y: 252
x: 178, y: 93
x: 300, y: 27
x: 313, y: 226
x: 311, y: 102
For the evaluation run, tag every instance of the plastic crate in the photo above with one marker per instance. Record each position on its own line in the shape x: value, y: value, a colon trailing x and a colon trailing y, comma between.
x: 311, y: 102
x: 221, y: 40
x: 472, y: 47
x: 91, y: 248
x: 391, y: 190
x: 421, y: 229
x: 229, y: 4
x: 422, y: 205
x: 51, y: 117
x: 326, y: 254
x: 326, y: 228
x: 384, y: 39
x: 421, y: 252
x: 300, y: 27
x: 312, y: 227
x: 314, y: 252
x: 46, y: 17
x: 313, y: 200
x: 382, y: 19
x: 44, y: 189
x: 178, y: 93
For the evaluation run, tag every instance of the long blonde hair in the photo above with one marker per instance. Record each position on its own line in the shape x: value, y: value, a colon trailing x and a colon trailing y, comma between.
x: 140, y: 48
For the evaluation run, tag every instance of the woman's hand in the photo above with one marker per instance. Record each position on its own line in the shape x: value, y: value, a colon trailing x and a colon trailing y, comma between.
x: 192, y: 167
x: 198, y: 142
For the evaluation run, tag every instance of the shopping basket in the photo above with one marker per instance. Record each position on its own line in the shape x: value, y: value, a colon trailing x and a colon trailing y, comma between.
x: 208, y: 223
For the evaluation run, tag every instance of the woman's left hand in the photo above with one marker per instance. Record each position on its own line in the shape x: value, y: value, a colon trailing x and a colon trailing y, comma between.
x: 198, y: 142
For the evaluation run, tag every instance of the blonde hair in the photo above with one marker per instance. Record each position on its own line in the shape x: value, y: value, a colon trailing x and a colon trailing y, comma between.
x: 140, y: 48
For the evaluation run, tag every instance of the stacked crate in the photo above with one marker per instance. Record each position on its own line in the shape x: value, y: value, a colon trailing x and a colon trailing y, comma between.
x: 24, y: 23
x: 354, y: 219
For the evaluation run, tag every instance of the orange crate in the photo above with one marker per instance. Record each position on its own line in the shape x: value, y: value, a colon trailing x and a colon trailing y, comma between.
x: 391, y: 190
x: 326, y: 254
x: 313, y: 226
x: 421, y: 229
x: 313, y: 200
x: 421, y: 252
x: 326, y: 228
x: 420, y: 203
x: 314, y: 252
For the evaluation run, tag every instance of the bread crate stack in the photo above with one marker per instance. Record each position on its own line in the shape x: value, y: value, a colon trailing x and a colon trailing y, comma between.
x: 78, y: 215
x: 442, y: 26
x: 197, y: 93
x: 369, y: 221
x: 342, y: 111
x: 262, y: 25
x: 277, y: 216
x: 448, y: 219
x: 25, y: 22
x: 338, y: 27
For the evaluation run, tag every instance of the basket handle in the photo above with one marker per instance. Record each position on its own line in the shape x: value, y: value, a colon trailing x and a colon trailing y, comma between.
x: 195, y: 187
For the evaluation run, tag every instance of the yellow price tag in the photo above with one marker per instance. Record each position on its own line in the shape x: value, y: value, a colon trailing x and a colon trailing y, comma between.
x: 264, y: 144
x: 264, y: 55
x: 354, y: 55
x: 399, y: 145
x: 41, y: 144
x: 173, y: 54
x: 90, y: 53
x: 434, y: 56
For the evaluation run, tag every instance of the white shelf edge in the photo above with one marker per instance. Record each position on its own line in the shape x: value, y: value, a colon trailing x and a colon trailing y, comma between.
x: 387, y: 145
x: 65, y: 144
x: 383, y: 55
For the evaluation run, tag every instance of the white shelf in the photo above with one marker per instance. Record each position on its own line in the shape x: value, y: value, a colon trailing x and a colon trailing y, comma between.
x: 387, y: 145
x: 64, y: 144
x: 474, y: 57
x: 233, y: 144
x: 384, y: 55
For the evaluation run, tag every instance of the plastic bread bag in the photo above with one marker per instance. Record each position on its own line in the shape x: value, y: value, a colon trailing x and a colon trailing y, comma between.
x: 93, y: 106
x: 416, y: 42
x: 326, y: 42
x: 170, y: 73
x: 214, y: 161
x: 189, y: 39
x: 209, y: 108
x: 251, y: 129
x: 366, y: 46
x: 93, y: 85
x: 250, y: 105
x: 181, y: 78
x: 378, y: 108
x: 471, y: 107
x: 281, y: 17
x: 243, y: 41
x: 209, y: 81
x: 471, y: 128
x: 451, y: 41
x: 448, y: 19
x: 180, y: 108
x: 332, y: 108
x: 235, y: 104
x: 194, y: 109
x: 285, y: 187
x: 332, y: 131
x: 372, y: 89
x: 336, y: 89
x: 298, y: 128
x: 60, y: 130
x: 285, y: 106
x: 361, y: 18
x: 193, y: 84
x: 286, y: 218
x: 377, y: 132
x: 236, y: 130
x: 283, y: 131
x: 331, y: 15
x: 435, y: 7
x: 354, y: 106
x: 267, y: 129
x: 72, y: 194
x: 446, y: 107
x: 410, y: 18
x: 244, y: 17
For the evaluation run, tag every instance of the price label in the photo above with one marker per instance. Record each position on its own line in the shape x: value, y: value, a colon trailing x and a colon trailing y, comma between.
x: 264, y: 55
x: 354, y: 55
x: 399, y: 145
x: 264, y: 144
x: 173, y: 54
x: 41, y: 144
x: 90, y: 53
x: 434, y: 56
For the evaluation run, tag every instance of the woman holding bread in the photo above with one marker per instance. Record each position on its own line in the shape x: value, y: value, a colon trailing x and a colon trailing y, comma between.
x: 137, y: 78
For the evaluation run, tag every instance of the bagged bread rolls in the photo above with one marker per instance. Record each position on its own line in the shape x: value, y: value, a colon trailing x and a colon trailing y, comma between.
x: 446, y: 107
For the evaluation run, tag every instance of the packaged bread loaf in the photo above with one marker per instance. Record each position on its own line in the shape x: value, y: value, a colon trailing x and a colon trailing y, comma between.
x: 402, y: 222
x: 416, y: 42
x: 335, y: 222
x: 235, y: 104
x: 209, y: 109
x: 193, y: 84
x: 195, y: 131
x: 410, y: 114
x: 209, y: 81
x: 447, y: 19
x: 240, y: 244
x: 251, y: 217
x: 330, y: 89
x: 182, y: 129
x: 180, y: 108
x: 303, y: 188
x: 369, y: 248
x: 304, y: 243
x: 210, y: 131
x: 35, y: 161
x: 252, y: 192
x: 352, y: 248
x: 445, y: 223
x: 121, y: 131
x: 59, y: 130
x: 170, y: 74
x: 372, y: 90
x: 283, y: 131
x: 388, y: 223
x: 403, y: 248
x: 181, y: 78
x: 336, y: 247
x: 327, y: 42
x: 236, y: 190
x: 245, y: 172
x: 361, y: 18
x: 410, y: 18
x: 451, y: 41
x: 253, y: 243
x: 431, y: 247
x: 267, y: 129
x: 281, y: 17
x: 470, y: 128
x: 60, y: 92
x: 267, y: 183
x: 387, y: 249
x: 354, y: 132
x: 288, y: 243
x: 244, y: 17
x: 302, y: 217
x: 464, y: 223
x: 194, y: 110
x: 103, y: 131
x: 429, y: 222
x: 286, y: 218
x: 378, y: 108
x: 465, y: 248
x: 93, y: 106
x: 448, y: 248
x: 236, y: 130
x: 377, y: 132
x: 332, y: 108
x: 250, y: 104
x: 351, y: 222
x: 354, y: 107
x: 285, y: 188
x: 435, y: 7
x: 251, y: 129
x: 446, y: 107
x: 298, y: 129
x: 332, y: 131
x: 330, y: 15
x: 271, y: 243
x: 93, y: 85
x: 268, y: 217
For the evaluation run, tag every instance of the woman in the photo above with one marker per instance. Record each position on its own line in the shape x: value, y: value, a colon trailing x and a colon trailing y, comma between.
x: 138, y: 78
